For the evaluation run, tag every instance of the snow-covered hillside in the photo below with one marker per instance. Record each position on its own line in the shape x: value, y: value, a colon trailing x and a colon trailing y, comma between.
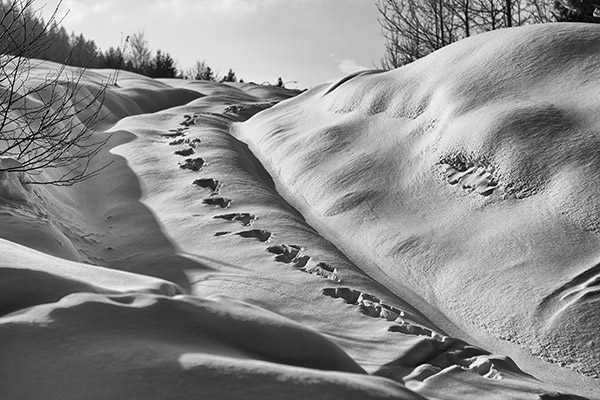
x: 428, y: 232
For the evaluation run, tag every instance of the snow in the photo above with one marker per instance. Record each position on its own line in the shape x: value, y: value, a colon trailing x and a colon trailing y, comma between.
x: 428, y: 232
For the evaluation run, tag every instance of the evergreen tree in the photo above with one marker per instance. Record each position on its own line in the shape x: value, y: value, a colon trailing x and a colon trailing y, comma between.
x: 59, y: 49
x: 113, y: 58
x: 84, y: 53
x: 163, y: 66
x: 230, y: 77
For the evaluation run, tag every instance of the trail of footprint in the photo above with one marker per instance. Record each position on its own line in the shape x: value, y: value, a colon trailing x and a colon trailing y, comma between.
x: 185, y: 152
x: 218, y: 201
x: 373, y: 307
x: 194, y: 164
x: 209, y: 183
x: 292, y: 254
x: 245, y: 218
x: 447, y: 351
x: 260, y: 234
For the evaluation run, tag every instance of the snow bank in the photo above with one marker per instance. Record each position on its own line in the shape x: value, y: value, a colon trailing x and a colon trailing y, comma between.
x: 469, y: 178
x: 393, y: 233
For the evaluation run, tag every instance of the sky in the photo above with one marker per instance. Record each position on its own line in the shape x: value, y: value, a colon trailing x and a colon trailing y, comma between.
x: 305, y: 42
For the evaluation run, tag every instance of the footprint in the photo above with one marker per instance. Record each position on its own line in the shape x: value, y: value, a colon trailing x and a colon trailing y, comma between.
x: 292, y: 254
x: 175, y: 132
x: 185, y: 152
x: 189, y: 120
x: 301, y: 263
x: 560, y: 396
x: 285, y: 253
x: 247, y: 109
x: 349, y: 295
x: 410, y: 329
x: 260, y: 234
x: 470, y: 176
x: 194, y: 164
x: 245, y: 218
x: 373, y: 307
x: 191, y: 142
x: 218, y: 201
x: 210, y: 183
x: 319, y: 269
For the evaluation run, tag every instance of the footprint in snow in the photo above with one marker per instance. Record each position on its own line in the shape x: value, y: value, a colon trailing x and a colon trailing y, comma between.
x: 245, y: 218
x: 292, y: 254
x: 191, y: 142
x: 189, y: 120
x: 185, y: 152
x: 260, y: 234
x: 373, y: 307
x: 194, y: 164
x: 209, y: 183
x: 470, y: 175
x: 175, y: 132
x: 218, y: 201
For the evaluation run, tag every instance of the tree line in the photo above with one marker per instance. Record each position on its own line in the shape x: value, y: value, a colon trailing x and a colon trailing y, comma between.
x: 414, y: 28
x: 46, y: 122
x: 21, y: 21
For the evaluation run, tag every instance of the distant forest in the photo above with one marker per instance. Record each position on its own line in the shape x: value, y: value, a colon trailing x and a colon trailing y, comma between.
x: 21, y: 22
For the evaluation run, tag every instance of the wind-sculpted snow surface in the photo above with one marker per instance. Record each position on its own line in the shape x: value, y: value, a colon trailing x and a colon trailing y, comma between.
x: 186, y: 270
x: 470, y: 178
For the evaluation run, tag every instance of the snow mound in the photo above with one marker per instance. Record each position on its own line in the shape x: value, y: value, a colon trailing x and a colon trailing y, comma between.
x: 181, y: 270
x: 470, y: 178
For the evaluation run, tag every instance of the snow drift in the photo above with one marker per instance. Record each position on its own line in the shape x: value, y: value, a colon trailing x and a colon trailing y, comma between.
x: 469, y: 178
x: 429, y: 232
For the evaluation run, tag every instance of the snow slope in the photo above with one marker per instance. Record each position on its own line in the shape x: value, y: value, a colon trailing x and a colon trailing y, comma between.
x: 376, y: 240
x: 469, y: 178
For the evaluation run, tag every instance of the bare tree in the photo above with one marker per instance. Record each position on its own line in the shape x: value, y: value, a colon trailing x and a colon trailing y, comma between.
x: 489, y: 15
x: 201, y: 71
x: 140, y: 55
x: 463, y: 12
x: 414, y: 28
x: 541, y: 11
x: 46, y: 115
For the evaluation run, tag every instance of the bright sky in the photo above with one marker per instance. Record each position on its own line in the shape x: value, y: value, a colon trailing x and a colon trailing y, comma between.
x: 308, y: 41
